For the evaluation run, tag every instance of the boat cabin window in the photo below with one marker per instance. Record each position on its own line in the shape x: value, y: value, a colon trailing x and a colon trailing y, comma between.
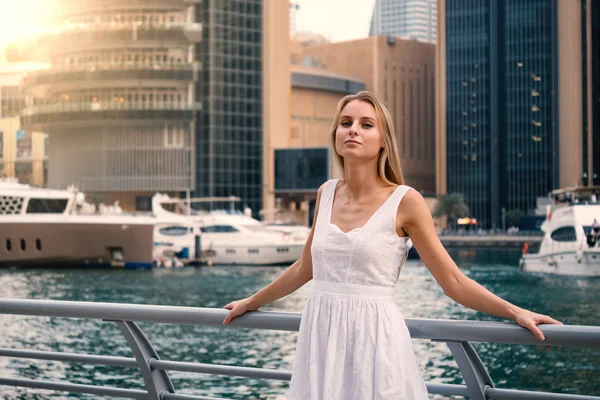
x: 174, y: 231
x: 218, y: 229
x: 47, y: 206
x: 564, y: 234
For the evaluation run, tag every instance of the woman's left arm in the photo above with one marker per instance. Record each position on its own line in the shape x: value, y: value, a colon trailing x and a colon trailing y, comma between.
x: 415, y: 219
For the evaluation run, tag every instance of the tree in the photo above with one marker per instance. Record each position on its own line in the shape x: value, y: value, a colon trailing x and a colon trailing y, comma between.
x: 513, y: 217
x: 451, y: 206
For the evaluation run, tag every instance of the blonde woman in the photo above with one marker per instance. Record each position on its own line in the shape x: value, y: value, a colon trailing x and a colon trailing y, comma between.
x: 353, y: 342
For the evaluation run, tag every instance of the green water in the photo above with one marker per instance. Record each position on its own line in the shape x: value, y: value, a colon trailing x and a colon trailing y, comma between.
x: 571, y: 300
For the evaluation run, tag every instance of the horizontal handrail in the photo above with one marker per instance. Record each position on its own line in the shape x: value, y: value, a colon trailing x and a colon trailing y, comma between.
x: 455, y: 333
x: 69, y: 357
x: 75, y: 388
x: 244, y: 372
x: 420, y: 328
x: 509, y: 394
x: 173, y: 396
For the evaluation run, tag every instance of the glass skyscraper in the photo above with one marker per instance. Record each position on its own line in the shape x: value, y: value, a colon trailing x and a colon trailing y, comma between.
x: 590, y: 12
x: 503, y: 110
x: 229, y: 133
x: 405, y: 18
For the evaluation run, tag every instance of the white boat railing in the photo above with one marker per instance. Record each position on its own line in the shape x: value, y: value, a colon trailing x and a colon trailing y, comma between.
x: 457, y: 334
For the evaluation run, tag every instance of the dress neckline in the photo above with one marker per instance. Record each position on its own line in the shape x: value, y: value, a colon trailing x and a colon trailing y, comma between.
x: 368, y: 220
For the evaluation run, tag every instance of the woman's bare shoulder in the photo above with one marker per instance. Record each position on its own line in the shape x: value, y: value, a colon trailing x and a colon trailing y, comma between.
x: 413, y: 207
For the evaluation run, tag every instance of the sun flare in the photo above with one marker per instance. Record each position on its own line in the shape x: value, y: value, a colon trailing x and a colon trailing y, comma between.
x: 20, y: 18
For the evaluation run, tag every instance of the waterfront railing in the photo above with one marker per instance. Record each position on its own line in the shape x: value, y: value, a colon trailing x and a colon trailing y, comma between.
x: 458, y: 336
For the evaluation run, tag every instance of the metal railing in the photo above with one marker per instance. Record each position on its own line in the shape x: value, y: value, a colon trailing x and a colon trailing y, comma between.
x: 458, y: 335
x: 118, y: 66
x: 115, y: 26
x: 110, y: 105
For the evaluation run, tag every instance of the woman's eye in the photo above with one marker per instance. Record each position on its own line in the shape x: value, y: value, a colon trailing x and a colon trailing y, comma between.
x: 367, y: 126
x: 346, y: 123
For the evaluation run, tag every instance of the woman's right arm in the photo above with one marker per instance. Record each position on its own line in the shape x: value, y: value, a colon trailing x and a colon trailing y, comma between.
x: 290, y: 280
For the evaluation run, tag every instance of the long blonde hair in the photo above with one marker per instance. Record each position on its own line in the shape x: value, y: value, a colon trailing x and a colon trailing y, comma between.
x: 389, y: 159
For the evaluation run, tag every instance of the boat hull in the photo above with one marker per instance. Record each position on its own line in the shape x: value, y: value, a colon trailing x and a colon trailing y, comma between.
x: 573, y: 263
x: 85, y: 244
x: 255, y: 255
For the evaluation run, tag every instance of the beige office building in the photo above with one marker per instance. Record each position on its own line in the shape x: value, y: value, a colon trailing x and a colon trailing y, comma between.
x: 23, y: 154
x: 401, y: 73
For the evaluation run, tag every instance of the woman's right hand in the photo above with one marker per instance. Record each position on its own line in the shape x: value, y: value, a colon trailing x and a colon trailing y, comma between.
x: 238, y: 308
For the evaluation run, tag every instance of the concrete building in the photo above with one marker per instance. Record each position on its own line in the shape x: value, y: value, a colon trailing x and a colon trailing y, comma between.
x: 321, y: 74
x: 161, y: 96
x: 23, y: 154
x: 413, y: 19
x: 401, y: 73
x: 297, y: 158
x: 516, y: 106
x: 302, y: 156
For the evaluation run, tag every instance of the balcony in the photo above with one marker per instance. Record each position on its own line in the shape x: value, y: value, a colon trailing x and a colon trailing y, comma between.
x: 103, y: 35
x: 109, y: 75
x: 77, y: 7
x: 43, y: 117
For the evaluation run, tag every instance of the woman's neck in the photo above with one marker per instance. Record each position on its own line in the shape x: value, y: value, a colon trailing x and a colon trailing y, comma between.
x: 362, y: 180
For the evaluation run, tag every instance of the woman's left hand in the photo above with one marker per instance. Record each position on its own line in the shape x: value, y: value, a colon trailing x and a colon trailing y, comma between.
x: 530, y: 320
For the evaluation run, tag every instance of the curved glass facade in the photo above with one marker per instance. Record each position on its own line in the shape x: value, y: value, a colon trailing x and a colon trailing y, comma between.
x: 110, y: 72
x: 158, y: 96
x: 118, y: 102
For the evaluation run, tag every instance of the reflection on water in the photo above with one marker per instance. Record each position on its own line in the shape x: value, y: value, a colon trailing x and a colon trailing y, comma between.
x: 571, y: 300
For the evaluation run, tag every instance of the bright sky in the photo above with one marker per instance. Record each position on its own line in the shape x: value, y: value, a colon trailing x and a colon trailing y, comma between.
x: 19, y: 18
x: 337, y: 20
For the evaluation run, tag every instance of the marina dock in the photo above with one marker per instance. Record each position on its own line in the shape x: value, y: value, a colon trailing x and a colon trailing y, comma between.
x: 489, y: 241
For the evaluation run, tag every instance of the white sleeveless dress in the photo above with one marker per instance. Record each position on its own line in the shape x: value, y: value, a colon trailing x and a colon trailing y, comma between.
x: 353, y: 342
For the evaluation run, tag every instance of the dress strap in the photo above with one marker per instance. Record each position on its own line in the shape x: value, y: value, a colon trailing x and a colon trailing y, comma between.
x: 326, y: 202
x: 398, y: 195
x: 394, y: 202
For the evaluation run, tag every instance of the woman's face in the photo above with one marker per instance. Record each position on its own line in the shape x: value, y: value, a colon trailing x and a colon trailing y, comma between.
x: 357, y: 135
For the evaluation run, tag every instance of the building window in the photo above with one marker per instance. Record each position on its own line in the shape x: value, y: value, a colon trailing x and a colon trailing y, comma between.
x: 301, y: 169
x: 174, y: 136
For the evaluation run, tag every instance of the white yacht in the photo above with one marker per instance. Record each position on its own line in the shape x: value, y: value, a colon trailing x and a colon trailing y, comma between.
x: 44, y: 226
x: 284, y: 221
x: 570, y: 245
x: 176, y: 242
x: 234, y: 238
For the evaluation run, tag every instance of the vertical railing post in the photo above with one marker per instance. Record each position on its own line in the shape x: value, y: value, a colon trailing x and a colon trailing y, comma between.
x: 472, y: 369
x: 157, y: 381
